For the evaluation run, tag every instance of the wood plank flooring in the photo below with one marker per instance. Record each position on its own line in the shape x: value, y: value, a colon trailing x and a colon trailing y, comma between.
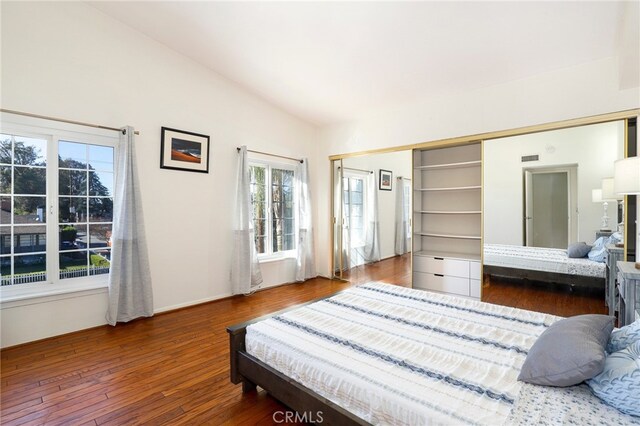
x: 173, y: 368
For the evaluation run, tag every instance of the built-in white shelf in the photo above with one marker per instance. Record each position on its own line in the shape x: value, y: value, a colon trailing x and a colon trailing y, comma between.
x: 449, y: 212
x: 454, y: 188
x: 449, y: 165
x: 441, y: 235
x: 448, y: 255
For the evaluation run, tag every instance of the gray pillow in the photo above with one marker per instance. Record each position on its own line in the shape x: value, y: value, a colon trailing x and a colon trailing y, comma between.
x: 577, y: 250
x: 568, y: 352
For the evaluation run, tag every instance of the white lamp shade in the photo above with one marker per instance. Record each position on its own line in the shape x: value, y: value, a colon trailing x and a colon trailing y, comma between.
x: 627, y: 176
x: 596, y: 195
x: 608, y: 193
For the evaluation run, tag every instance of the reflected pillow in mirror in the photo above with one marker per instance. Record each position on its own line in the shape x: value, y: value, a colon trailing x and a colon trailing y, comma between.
x: 577, y: 250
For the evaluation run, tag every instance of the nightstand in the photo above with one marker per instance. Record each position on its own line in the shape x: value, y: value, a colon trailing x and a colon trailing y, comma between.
x: 629, y: 292
x: 614, y: 255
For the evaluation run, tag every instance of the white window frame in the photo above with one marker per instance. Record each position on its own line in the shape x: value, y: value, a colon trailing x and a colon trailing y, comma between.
x: 54, y: 132
x: 269, y: 254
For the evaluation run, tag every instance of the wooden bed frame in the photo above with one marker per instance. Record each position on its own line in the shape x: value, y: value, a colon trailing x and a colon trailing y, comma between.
x: 252, y: 372
x: 544, y: 276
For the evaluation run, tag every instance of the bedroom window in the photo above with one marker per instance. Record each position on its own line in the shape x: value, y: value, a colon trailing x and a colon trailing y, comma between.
x: 56, y: 207
x: 272, y: 199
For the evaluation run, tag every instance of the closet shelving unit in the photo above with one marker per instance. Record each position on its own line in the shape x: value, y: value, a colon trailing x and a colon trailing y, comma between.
x: 447, y: 219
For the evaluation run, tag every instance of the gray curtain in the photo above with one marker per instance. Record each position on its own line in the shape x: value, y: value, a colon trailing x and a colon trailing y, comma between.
x: 245, y: 269
x: 130, y: 290
x: 372, y: 225
x: 305, y: 259
x: 402, y: 220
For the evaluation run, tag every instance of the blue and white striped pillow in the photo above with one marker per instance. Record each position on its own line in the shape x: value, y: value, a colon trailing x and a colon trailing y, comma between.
x: 619, y: 383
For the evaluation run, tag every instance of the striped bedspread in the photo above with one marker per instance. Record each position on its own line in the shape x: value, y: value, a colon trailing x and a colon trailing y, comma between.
x: 397, y: 356
x: 541, y: 259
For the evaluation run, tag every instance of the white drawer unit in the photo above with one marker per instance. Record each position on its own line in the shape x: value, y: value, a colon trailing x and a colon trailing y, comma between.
x: 441, y: 265
x: 446, y: 275
x: 475, y: 270
x: 441, y: 283
x: 475, y: 288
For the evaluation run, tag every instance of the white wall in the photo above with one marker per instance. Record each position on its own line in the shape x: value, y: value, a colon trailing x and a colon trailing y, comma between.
x: 69, y: 60
x: 592, y: 148
x: 400, y: 164
x: 588, y: 89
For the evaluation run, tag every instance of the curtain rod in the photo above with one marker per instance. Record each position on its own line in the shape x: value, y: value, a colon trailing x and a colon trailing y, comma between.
x: 274, y: 155
x: 357, y: 170
x: 400, y: 177
x: 62, y: 120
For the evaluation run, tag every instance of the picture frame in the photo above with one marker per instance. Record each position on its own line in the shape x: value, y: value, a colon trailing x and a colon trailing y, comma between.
x: 385, y: 182
x: 182, y: 150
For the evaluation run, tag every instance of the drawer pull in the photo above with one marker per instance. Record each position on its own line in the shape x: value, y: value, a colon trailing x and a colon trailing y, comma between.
x: 438, y: 275
x: 439, y: 258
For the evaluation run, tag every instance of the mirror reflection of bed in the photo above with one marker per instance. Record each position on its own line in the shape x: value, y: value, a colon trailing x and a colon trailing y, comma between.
x: 538, y: 200
x: 372, y: 227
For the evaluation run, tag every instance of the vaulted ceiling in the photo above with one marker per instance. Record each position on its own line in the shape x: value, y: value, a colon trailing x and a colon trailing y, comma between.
x: 328, y: 62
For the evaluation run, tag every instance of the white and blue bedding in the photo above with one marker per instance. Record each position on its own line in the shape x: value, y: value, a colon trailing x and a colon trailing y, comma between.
x: 541, y: 259
x: 393, y: 355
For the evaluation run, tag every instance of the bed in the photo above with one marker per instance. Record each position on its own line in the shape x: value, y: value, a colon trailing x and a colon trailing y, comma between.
x: 383, y: 354
x: 542, y: 264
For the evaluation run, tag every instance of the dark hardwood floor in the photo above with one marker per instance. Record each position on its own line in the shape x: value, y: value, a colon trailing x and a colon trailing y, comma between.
x: 173, y: 368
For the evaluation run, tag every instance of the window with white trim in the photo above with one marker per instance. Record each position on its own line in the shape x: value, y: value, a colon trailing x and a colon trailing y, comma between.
x: 56, y: 208
x: 273, y: 208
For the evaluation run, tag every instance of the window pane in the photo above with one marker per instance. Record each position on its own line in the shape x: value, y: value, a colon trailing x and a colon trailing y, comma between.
x: 72, y: 209
x: 101, y: 158
x: 5, y: 149
x: 29, y: 268
x: 356, y: 210
x: 261, y: 244
x: 289, y: 242
x: 288, y: 226
x: 356, y: 185
x: 72, y: 155
x: 99, y: 236
x: 5, y: 270
x: 72, y: 237
x: 5, y: 240
x: 287, y: 193
x: 99, y: 262
x: 5, y: 210
x: 260, y: 227
x: 100, y: 209
x: 101, y: 183
x: 29, y: 180
x: 29, y: 239
x: 28, y: 209
x: 72, y: 182
x: 287, y: 178
x: 356, y: 197
x: 30, y: 151
x: 259, y: 210
x: 5, y: 179
x: 257, y: 174
x: 276, y: 177
x: 276, y: 194
x: 73, y: 264
x: 257, y: 193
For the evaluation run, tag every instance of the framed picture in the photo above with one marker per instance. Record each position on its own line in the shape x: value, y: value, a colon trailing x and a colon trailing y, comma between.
x: 182, y: 150
x: 386, y: 177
